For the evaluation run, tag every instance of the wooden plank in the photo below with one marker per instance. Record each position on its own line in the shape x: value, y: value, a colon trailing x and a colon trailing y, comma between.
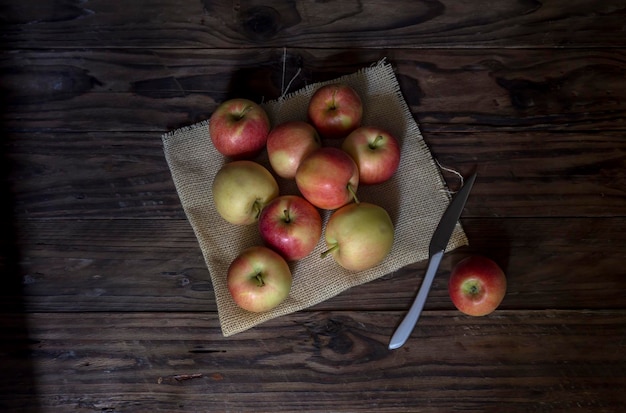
x: 318, y: 361
x: 125, y: 175
x: 84, y: 175
x: 156, y: 265
x: 448, y: 90
x: 253, y: 23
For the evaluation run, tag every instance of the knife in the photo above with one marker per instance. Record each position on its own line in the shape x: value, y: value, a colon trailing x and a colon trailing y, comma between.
x: 436, y: 249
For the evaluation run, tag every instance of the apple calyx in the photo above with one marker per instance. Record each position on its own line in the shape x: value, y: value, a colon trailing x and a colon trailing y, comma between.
x: 353, y: 193
x: 333, y: 105
x: 328, y: 251
x: 257, y: 207
x: 472, y: 288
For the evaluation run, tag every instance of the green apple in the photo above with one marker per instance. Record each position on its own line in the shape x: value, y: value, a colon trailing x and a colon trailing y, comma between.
x: 359, y: 236
x: 241, y: 189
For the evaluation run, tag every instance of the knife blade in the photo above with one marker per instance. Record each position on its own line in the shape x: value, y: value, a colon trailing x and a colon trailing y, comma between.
x: 436, y: 249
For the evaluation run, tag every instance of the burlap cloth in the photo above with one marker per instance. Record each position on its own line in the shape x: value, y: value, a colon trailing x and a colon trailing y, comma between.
x: 415, y: 198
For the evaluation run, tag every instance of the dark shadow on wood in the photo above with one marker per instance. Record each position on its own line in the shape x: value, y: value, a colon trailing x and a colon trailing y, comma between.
x: 16, y: 371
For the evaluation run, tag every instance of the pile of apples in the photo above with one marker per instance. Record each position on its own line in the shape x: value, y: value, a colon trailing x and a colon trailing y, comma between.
x: 327, y: 156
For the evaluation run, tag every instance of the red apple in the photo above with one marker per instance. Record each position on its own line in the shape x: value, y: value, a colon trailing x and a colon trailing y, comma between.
x: 288, y: 143
x: 335, y: 110
x: 359, y: 236
x: 375, y: 151
x: 239, y: 128
x: 328, y: 178
x: 259, y: 279
x: 291, y: 226
x: 477, y: 286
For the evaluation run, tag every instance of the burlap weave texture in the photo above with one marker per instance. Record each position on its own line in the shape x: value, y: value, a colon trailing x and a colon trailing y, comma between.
x: 415, y: 198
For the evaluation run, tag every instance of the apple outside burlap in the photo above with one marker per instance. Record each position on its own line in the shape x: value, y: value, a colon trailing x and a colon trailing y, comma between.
x: 415, y: 198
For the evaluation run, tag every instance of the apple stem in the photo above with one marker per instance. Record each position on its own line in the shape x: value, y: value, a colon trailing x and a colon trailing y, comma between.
x: 287, y: 217
x: 353, y: 192
x: 259, y: 279
x: 245, y: 110
x: 256, y: 207
x: 334, y: 105
x: 374, y: 144
x: 328, y: 251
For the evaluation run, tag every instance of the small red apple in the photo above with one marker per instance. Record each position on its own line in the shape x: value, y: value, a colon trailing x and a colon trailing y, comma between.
x: 239, y: 128
x: 288, y: 143
x: 291, y: 226
x: 477, y: 286
x: 375, y: 151
x: 259, y: 279
x: 328, y: 178
x: 335, y: 110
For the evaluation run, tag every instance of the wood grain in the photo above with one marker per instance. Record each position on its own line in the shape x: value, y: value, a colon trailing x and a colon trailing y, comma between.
x: 475, y: 90
x: 346, y: 24
x: 156, y: 265
x: 118, y: 175
x: 322, y: 361
x: 106, y: 303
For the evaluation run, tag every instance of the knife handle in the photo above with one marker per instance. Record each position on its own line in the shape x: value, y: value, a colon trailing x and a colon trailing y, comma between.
x: 405, y: 328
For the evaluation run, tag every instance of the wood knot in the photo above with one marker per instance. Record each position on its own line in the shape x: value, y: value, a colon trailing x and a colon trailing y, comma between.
x: 260, y: 22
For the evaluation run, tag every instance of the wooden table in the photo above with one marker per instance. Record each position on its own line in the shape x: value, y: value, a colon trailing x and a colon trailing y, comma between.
x: 107, y: 304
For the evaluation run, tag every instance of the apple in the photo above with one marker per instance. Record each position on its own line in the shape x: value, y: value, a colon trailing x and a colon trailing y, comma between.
x: 335, y: 110
x: 239, y: 128
x: 288, y: 143
x: 477, y: 286
x: 328, y: 178
x: 291, y: 226
x: 375, y: 151
x: 359, y: 236
x: 258, y: 279
x: 241, y: 189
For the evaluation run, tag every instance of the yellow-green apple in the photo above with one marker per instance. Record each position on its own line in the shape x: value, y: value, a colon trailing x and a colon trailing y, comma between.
x: 241, y: 189
x: 288, y: 143
x: 359, y: 236
x: 328, y: 178
x: 477, y: 285
x: 335, y: 110
x: 291, y: 226
x: 375, y: 151
x: 239, y: 128
x: 259, y: 279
